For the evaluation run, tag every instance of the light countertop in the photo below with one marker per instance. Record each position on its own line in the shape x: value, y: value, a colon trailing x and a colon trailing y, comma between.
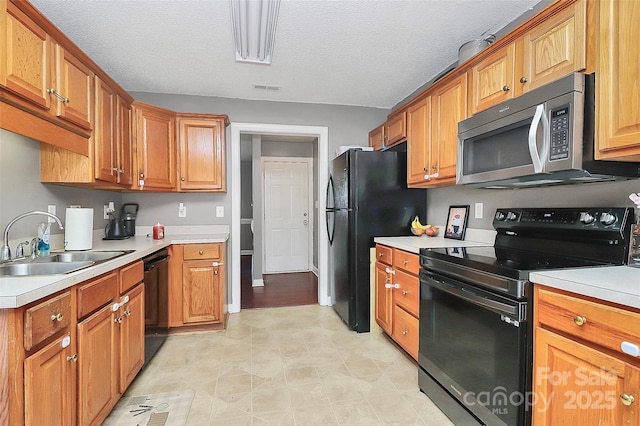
x: 617, y: 284
x: 412, y: 244
x: 19, y: 291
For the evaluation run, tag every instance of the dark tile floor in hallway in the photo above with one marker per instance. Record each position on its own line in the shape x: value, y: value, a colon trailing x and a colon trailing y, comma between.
x: 291, y: 289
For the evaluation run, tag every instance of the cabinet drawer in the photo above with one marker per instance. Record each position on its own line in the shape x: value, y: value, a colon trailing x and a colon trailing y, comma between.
x: 97, y: 293
x: 131, y: 275
x: 384, y: 254
x: 409, y: 262
x: 201, y: 251
x: 407, y: 295
x: 600, y: 324
x: 46, y: 319
x: 405, y: 330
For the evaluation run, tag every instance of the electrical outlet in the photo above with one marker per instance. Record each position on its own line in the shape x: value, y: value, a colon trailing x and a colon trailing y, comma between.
x: 219, y: 211
x: 51, y: 208
x: 109, y: 209
x: 479, y: 207
x: 182, y: 210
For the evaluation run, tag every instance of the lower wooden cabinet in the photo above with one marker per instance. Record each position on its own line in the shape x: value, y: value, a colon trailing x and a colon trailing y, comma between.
x: 69, y: 357
x: 49, y: 385
x: 196, y: 287
x: 398, y: 296
x: 581, y: 375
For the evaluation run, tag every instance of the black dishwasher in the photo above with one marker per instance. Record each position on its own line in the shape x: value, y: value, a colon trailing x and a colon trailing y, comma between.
x: 156, y: 302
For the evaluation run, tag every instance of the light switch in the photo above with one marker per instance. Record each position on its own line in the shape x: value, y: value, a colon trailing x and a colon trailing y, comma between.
x: 51, y: 208
x: 219, y: 211
x: 478, y: 214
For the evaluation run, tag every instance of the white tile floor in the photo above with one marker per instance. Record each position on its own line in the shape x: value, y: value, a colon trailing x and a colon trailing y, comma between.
x: 290, y: 366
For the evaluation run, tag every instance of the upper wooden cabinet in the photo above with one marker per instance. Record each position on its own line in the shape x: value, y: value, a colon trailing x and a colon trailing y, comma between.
x: 492, y: 80
x: 555, y: 47
x: 395, y: 129
x: 155, y: 160
x: 202, y: 160
x: 376, y: 138
x: 73, y: 90
x: 418, y: 142
x: 618, y: 74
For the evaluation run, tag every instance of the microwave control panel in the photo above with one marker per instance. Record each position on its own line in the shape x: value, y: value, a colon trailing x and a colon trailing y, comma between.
x: 559, y: 133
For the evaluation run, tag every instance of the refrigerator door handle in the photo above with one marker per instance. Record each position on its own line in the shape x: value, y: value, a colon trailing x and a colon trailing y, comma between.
x: 330, y: 208
x: 330, y: 231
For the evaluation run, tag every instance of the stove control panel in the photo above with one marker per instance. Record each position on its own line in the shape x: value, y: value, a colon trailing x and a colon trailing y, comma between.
x: 597, y: 218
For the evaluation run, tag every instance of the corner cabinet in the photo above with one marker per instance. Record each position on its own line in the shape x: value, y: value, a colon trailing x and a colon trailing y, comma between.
x: 581, y: 375
x: 398, y: 296
x: 202, y: 159
x: 197, y: 283
x: 155, y: 159
x: 618, y: 71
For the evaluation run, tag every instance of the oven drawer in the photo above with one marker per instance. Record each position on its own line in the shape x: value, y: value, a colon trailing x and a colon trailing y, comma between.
x: 593, y: 322
x: 407, y: 295
x: 405, y: 330
x: 406, y: 261
x: 384, y: 254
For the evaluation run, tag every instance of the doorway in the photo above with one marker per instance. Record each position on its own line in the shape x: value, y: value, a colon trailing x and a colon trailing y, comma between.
x: 321, y: 133
x: 288, y: 206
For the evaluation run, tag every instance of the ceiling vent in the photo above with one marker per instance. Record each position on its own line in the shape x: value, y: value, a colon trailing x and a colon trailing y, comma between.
x: 267, y: 87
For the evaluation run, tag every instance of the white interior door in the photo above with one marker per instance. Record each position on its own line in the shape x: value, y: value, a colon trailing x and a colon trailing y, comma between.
x: 287, y: 208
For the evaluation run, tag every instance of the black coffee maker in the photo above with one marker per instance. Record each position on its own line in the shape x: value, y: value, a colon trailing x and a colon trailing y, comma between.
x: 128, y: 214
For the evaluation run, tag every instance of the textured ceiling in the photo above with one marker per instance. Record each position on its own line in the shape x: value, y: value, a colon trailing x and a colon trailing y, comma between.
x: 356, y: 52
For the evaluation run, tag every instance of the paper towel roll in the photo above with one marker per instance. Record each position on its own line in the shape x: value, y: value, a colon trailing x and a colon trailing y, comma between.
x: 78, y: 229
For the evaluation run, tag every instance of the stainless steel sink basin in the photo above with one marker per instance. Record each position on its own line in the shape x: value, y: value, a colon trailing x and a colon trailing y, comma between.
x: 76, y: 256
x: 42, y: 268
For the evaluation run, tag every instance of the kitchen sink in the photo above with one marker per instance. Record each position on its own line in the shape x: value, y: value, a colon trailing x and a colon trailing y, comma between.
x: 78, y: 256
x: 41, y: 268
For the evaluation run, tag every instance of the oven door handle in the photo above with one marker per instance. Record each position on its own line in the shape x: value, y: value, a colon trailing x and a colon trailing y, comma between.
x: 470, y: 296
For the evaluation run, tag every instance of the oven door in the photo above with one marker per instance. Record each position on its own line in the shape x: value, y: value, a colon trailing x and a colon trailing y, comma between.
x: 477, y: 346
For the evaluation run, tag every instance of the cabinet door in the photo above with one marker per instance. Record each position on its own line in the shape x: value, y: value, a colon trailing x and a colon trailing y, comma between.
x: 97, y: 366
x: 383, y: 297
x: 123, y: 142
x: 131, y: 337
x: 396, y: 129
x: 202, y: 155
x: 27, y: 67
x: 555, y: 48
x: 49, y: 383
x: 155, y: 142
x: 579, y: 385
x: 201, y: 291
x: 74, y: 87
x: 617, y: 110
x: 449, y: 107
x: 105, y: 133
x: 376, y: 138
x: 492, y: 80
x: 418, y: 142
x: 405, y: 330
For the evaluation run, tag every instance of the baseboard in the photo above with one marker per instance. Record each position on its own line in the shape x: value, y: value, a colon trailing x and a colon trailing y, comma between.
x: 258, y: 283
x: 314, y: 270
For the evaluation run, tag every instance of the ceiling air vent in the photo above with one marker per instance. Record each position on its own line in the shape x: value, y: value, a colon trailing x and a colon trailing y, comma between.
x: 267, y: 87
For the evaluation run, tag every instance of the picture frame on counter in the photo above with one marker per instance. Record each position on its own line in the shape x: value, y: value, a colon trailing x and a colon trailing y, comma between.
x: 457, y: 222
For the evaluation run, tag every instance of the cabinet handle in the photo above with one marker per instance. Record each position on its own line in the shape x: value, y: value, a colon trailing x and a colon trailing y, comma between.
x: 74, y: 358
x: 626, y: 399
x: 506, y: 88
x: 215, y: 272
x: 201, y: 252
x: 579, y: 320
x: 405, y: 332
x: 127, y: 312
x: 424, y: 169
x: 57, y: 317
x: 405, y: 262
x: 434, y: 167
x: 182, y: 179
x: 523, y: 79
x: 118, y: 320
x: 141, y: 175
x: 58, y: 95
x: 380, y: 254
x: 405, y: 292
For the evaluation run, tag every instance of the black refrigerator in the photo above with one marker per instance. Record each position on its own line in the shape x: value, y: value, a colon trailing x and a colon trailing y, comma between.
x: 367, y: 197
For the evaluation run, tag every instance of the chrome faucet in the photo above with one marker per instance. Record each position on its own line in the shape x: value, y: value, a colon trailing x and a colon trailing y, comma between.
x: 5, y: 253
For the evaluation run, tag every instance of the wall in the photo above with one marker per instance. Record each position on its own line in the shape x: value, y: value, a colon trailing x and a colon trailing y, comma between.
x: 21, y: 190
x: 612, y: 194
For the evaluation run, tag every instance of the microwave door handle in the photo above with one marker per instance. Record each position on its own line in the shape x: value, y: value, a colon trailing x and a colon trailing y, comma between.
x: 537, y: 157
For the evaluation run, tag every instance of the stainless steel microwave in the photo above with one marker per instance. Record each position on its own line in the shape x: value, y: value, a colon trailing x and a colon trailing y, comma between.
x: 544, y: 137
